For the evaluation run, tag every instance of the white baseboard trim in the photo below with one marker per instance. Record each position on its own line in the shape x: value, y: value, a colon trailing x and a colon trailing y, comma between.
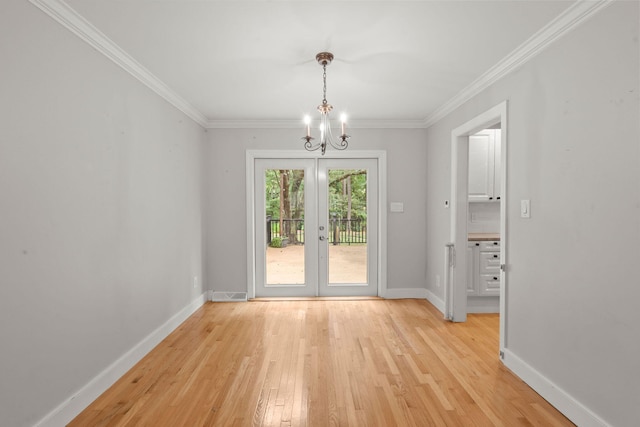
x: 400, y: 293
x: 435, y: 300
x: 77, y: 402
x: 563, y: 401
x: 228, y: 296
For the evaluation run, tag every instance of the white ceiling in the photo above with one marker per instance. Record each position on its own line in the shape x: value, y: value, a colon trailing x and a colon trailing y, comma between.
x: 248, y: 61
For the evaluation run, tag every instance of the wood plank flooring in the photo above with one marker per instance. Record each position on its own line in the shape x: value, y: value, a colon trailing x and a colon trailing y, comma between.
x: 323, y: 363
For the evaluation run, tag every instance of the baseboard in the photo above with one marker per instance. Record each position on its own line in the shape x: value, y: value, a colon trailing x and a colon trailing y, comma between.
x: 563, y: 401
x: 400, y: 293
x: 77, y: 402
x: 435, y: 300
x: 222, y: 296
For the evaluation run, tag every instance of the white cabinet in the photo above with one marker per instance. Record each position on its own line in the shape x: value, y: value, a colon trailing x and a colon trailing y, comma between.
x: 489, y: 285
x: 484, y: 166
x: 483, y: 268
x: 489, y: 271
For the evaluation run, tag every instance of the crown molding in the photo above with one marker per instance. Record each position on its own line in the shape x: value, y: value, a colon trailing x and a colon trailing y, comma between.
x: 388, y: 124
x: 297, y: 124
x: 77, y: 24
x: 573, y: 16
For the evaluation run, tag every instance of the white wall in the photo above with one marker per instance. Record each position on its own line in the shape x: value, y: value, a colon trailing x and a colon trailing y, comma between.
x: 226, y: 263
x: 100, y: 213
x: 574, y: 151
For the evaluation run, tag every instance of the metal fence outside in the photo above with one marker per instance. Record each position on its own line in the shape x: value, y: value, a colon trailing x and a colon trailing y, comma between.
x: 343, y: 231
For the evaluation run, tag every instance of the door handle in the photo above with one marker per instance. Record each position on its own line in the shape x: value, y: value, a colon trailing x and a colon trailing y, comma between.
x: 321, y: 238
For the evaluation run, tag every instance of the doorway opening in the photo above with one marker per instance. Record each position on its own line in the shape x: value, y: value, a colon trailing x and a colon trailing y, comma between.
x: 482, y: 275
x: 483, y: 221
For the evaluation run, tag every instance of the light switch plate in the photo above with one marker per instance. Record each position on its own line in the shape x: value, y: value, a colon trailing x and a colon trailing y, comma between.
x: 396, y: 207
x: 525, y: 208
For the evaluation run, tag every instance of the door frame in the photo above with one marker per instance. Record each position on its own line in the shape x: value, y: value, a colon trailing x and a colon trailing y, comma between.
x: 456, y: 292
x: 379, y: 155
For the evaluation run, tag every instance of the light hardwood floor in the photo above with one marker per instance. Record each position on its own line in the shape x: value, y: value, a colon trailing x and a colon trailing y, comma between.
x: 323, y: 363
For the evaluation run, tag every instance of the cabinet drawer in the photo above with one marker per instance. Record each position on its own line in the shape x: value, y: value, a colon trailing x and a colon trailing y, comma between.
x: 489, y: 284
x: 492, y: 245
x: 489, y: 263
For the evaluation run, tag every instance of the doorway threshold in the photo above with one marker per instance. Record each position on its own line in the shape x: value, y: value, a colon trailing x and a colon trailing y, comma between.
x: 354, y: 298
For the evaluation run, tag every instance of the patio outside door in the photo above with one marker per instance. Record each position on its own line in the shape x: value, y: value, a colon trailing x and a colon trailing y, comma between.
x: 316, y: 227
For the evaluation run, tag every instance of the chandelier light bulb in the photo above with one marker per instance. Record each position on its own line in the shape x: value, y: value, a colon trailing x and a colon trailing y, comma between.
x: 307, y: 121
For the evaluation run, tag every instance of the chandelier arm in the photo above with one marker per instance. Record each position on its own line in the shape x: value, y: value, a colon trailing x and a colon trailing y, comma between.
x: 341, y: 144
x: 310, y: 146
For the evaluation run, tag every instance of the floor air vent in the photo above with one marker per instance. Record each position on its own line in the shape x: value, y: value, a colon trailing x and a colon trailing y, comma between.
x: 229, y: 296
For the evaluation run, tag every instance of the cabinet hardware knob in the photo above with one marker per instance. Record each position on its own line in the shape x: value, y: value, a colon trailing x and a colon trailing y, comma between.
x: 495, y: 278
x: 495, y: 256
x: 477, y: 244
x: 490, y: 198
x: 498, y: 198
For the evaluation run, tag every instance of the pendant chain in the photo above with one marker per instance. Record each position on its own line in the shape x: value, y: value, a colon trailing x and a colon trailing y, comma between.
x: 324, y: 88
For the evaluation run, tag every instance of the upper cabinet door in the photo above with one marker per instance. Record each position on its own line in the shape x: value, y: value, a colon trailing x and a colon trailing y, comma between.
x: 484, y: 170
x: 497, y: 137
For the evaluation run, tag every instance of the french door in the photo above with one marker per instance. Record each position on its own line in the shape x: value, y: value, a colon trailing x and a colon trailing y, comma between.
x: 316, y: 227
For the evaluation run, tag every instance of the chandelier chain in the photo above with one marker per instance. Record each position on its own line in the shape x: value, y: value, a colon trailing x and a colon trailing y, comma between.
x: 324, y: 88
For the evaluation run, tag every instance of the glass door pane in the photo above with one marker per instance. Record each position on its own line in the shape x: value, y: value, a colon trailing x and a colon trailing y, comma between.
x: 348, y: 225
x: 284, y: 200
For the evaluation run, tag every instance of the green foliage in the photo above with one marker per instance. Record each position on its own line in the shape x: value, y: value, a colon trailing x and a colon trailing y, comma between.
x: 295, y: 179
x: 276, y: 242
x: 339, y: 182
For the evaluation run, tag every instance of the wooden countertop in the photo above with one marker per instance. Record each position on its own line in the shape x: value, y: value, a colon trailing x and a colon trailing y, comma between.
x: 479, y: 237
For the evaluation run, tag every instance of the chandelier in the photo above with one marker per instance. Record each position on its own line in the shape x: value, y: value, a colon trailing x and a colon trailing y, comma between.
x: 326, y: 137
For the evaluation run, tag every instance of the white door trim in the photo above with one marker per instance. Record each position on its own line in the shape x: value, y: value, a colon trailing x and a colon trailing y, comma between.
x: 456, y: 295
x: 380, y: 155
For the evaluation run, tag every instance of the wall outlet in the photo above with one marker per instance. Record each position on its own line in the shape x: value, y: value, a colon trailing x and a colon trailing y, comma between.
x: 437, y: 280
